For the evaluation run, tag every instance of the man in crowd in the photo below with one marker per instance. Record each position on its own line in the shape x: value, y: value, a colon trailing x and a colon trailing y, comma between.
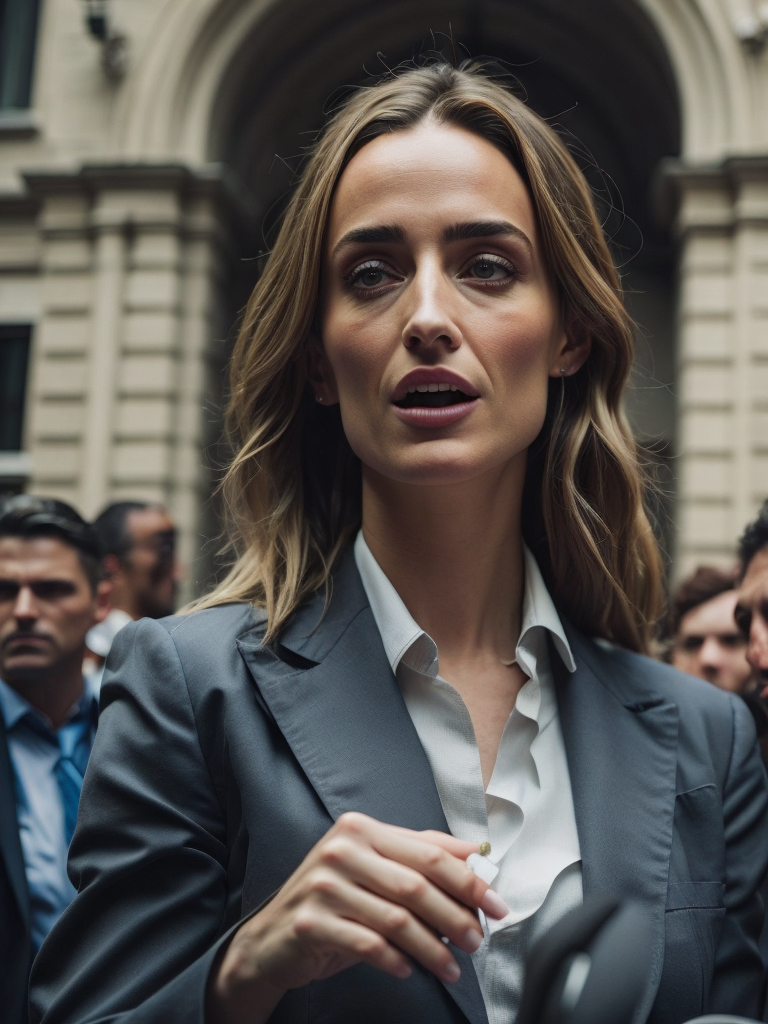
x: 139, y: 545
x: 752, y: 619
x: 752, y: 605
x: 51, y: 594
x: 706, y: 641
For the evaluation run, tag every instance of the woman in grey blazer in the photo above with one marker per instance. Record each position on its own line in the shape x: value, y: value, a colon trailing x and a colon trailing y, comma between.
x: 288, y: 782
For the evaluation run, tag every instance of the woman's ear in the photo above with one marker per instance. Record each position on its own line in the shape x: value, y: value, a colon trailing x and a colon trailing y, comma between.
x: 320, y: 374
x: 571, y: 352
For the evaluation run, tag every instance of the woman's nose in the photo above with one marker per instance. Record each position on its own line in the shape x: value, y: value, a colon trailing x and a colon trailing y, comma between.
x: 431, y: 315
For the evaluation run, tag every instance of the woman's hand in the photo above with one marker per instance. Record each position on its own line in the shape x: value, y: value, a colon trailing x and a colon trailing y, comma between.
x: 367, y: 892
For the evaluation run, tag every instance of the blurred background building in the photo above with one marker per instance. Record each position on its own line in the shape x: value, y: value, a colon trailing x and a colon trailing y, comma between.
x: 146, y: 147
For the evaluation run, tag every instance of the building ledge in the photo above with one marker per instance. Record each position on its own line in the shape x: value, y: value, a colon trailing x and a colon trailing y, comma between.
x: 18, y: 124
x: 15, y: 465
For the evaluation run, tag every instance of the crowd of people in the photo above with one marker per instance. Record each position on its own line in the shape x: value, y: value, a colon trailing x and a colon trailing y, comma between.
x: 716, y: 627
x: 66, y: 587
x: 433, y: 643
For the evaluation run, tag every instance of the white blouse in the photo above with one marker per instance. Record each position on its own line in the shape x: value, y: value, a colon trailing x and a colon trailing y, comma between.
x: 526, y: 814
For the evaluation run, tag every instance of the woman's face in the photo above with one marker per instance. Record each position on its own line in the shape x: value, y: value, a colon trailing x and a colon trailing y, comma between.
x: 439, y: 326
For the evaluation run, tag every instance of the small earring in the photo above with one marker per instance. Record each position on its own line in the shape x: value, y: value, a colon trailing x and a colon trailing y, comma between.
x: 319, y: 398
x: 563, y: 375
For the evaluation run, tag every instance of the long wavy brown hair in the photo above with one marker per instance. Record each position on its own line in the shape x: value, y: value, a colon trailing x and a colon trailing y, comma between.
x: 293, y: 490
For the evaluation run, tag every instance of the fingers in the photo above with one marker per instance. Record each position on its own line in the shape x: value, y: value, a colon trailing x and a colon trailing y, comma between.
x: 403, y: 931
x: 352, y: 941
x: 366, y: 892
x: 458, y: 847
x: 434, y: 856
x: 426, y: 891
x: 377, y: 931
x: 491, y: 904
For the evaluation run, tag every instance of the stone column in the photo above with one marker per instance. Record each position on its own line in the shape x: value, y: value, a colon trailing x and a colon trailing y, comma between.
x: 108, y: 227
x: 58, y: 374
x: 128, y: 345
x: 722, y: 227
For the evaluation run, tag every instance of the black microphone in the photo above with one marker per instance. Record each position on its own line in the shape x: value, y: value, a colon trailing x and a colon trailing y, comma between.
x: 592, y: 967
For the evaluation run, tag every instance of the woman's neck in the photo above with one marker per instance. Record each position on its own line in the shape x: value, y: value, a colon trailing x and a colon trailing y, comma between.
x: 454, y: 555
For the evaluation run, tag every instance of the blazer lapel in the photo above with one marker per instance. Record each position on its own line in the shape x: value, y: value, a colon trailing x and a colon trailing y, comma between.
x: 334, y: 697
x: 621, y: 742
x: 10, y: 844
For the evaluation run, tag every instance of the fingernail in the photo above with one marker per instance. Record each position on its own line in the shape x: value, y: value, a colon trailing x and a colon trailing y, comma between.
x: 493, y: 905
x: 404, y: 970
x: 451, y: 972
x: 472, y: 940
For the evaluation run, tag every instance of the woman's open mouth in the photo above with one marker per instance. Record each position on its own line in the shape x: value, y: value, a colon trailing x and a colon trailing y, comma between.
x: 433, y: 396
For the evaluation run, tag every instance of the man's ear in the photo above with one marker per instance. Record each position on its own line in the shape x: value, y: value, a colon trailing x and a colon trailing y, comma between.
x: 320, y: 374
x: 571, y: 352
x: 103, y: 600
x: 112, y: 566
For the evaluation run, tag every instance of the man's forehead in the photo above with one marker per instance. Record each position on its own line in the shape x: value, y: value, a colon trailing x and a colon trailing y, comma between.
x: 754, y: 586
x: 146, y: 522
x: 712, y: 616
x: 38, y: 558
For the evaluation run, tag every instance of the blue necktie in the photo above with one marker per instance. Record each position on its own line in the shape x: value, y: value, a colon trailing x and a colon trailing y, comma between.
x: 74, y: 744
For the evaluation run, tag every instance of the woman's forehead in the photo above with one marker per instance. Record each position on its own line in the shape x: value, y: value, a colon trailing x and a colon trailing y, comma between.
x: 431, y: 170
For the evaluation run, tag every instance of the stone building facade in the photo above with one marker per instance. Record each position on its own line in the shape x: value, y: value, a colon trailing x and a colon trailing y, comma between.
x: 145, y: 146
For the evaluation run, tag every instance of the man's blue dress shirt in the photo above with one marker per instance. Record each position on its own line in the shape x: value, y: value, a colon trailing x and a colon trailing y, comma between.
x: 34, y: 751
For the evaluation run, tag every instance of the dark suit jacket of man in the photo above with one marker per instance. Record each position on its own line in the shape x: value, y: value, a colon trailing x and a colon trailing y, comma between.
x: 219, y: 763
x: 15, y: 938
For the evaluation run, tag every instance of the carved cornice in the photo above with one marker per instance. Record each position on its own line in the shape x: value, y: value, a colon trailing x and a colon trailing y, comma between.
x: 232, y: 205
x: 677, y: 181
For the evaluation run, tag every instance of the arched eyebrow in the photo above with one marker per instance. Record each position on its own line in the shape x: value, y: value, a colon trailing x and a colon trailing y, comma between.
x: 391, y: 233
x: 394, y: 234
x: 485, y: 229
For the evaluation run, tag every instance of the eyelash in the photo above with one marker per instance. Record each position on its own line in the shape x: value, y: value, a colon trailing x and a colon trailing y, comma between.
x: 497, y: 261
x: 352, y: 280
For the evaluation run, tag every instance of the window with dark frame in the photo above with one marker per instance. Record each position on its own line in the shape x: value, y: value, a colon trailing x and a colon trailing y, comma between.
x: 18, y: 37
x: 14, y: 360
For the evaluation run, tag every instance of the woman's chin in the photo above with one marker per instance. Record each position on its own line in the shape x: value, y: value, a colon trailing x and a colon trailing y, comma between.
x: 439, y: 472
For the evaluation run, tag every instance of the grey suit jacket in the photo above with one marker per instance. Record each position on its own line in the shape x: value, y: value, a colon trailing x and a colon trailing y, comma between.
x: 15, y: 938
x: 219, y: 763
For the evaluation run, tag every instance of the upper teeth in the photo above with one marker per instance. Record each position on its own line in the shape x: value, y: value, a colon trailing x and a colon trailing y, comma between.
x: 432, y: 387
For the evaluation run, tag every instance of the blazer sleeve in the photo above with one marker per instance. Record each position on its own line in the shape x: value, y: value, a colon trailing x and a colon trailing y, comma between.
x: 149, y: 856
x: 739, y: 972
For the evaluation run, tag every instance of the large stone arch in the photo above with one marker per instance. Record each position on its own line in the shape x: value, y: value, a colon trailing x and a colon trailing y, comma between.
x: 243, y: 83
x: 186, y: 73
x: 720, y: 106
x: 220, y: 87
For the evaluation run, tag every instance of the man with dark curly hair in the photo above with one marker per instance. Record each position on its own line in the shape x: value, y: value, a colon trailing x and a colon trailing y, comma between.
x: 752, y: 607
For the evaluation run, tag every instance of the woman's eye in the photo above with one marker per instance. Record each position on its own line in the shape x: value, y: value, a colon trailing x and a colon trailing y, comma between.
x: 493, y: 270
x: 368, y: 277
